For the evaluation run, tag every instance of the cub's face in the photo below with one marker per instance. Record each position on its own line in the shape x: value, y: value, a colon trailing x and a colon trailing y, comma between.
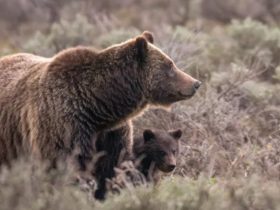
x: 166, y: 82
x: 163, y: 148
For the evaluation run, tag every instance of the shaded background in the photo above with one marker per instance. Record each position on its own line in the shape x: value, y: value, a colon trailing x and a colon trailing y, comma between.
x: 21, y: 18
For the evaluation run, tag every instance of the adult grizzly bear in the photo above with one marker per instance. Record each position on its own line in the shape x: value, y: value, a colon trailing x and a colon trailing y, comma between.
x: 48, y: 106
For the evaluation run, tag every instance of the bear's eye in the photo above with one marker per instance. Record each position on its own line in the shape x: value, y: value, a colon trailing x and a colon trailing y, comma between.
x: 170, y: 70
x: 174, y: 152
x: 168, y: 66
x: 171, y: 73
x: 161, y: 153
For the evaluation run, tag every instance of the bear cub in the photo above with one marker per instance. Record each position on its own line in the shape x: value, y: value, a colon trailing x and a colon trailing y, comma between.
x: 156, y: 151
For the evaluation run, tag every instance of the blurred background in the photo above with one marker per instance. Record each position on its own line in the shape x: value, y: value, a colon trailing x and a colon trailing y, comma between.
x: 21, y: 19
x: 230, y: 151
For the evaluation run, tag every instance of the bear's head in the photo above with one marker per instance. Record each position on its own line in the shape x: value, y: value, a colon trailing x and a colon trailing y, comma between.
x: 162, y: 148
x: 166, y: 83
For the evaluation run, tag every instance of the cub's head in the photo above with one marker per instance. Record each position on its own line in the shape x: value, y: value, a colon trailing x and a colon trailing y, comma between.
x: 165, y: 82
x: 162, y: 147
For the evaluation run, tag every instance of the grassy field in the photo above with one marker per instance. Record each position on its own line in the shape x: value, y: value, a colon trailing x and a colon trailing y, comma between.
x: 230, y: 151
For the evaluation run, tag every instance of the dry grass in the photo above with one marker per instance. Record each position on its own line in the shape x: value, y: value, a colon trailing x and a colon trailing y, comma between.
x: 27, y: 186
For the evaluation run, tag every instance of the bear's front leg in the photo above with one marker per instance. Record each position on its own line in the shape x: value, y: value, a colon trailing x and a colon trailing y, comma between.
x: 84, y: 150
x: 112, y: 143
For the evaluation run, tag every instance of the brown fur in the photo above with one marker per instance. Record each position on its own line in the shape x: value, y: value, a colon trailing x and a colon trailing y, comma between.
x: 115, y: 146
x: 156, y: 152
x: 48, y: 106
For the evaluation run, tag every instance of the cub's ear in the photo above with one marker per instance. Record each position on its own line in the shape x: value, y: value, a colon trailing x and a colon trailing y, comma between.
x: 148, y: 36
x: 176, y: 134
x: 142, y: 47
x: 148, y: 135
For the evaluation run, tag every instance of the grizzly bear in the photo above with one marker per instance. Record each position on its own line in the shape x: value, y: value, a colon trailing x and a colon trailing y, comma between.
x: 153, y: 152
x: 157, y: 152
x: 49, y: 106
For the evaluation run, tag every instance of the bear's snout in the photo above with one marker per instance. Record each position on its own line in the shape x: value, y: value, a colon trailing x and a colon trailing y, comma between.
x: 196, y: 85
x: 167, y: 168
x: 171, y: 167
x: 190, y: 91
x: 169, y: 164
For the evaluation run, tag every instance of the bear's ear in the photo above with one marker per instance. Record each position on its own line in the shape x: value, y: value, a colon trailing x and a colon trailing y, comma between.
x: 176, y: 134
x: 148, y: 36
x: 142, y: 47
x: 148, y: 135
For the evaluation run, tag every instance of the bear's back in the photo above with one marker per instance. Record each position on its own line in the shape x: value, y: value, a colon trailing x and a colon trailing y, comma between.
x: 15, y: 67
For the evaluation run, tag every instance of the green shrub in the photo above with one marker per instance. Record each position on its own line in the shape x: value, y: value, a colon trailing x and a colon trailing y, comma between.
x: 28, y: 186
x: 73, y: 33
x: 258, y: 43
x: 61, y: 35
